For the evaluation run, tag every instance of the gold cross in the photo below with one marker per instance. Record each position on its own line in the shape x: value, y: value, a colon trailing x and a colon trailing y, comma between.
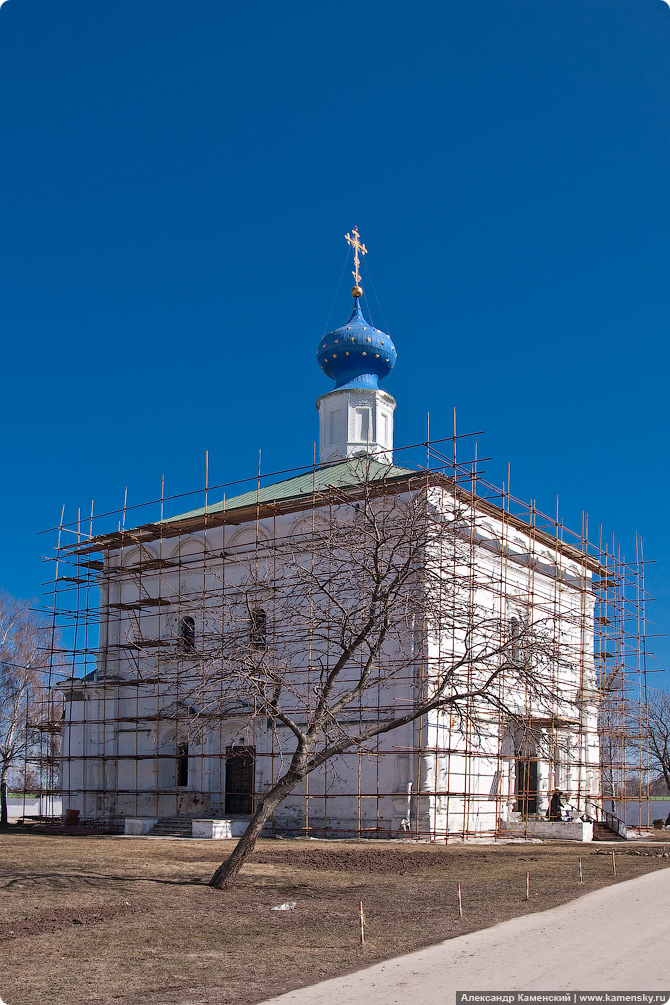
x: 355, y: 243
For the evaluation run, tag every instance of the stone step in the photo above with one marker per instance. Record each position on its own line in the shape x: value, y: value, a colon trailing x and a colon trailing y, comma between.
x: 172, y: 827
x: 602, y: 833
x: 170, y: 834
x: 181, y: 826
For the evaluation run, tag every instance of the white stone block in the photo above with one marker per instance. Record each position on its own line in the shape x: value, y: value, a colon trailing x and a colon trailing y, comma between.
x: 556, y: 830
x: 218, y: 830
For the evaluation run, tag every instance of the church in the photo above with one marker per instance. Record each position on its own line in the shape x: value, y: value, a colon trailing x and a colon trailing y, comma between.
x: 216, y: 648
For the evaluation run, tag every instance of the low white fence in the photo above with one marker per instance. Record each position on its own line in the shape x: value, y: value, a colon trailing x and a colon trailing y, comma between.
x: 642, y: 813
x: 33, y: 806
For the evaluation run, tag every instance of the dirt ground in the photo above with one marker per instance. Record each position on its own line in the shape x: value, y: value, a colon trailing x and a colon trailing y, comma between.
x: 132, y: 921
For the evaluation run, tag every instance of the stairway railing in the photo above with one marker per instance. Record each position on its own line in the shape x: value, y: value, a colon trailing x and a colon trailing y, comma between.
x: 614, y: 823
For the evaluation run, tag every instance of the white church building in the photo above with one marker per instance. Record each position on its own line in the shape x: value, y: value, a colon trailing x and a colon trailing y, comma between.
x: 141, y: 751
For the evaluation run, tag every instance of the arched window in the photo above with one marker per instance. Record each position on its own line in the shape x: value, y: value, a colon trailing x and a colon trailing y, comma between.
x: 187, y: 634
x: 182, y: 762
x: 258, y: 633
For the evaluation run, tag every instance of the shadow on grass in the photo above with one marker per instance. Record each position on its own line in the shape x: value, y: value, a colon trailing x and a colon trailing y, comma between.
x: 91, y: 879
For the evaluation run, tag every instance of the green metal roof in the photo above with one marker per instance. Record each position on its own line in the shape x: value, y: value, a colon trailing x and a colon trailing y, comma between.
x: 345, y: 474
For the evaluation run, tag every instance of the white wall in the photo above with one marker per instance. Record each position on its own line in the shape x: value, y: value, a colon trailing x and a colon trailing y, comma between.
x: 120, y: 742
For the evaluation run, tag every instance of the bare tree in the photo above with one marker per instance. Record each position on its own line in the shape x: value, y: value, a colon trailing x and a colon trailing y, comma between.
x: 659, y: 734
x: 355, y: 608
x: 23, y: 697
x: 26, y: 780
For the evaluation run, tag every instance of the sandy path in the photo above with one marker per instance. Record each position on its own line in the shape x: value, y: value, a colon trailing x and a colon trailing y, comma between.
x: 615, y: 939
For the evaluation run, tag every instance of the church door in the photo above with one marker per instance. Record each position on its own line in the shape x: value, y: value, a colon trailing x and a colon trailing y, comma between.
x: 239, y: 780
x: 526, y: 786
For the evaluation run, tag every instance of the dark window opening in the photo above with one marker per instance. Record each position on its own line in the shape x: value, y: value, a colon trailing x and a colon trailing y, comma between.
x: 182, y: 764
x: 187, y: 634
x: 239, y: 780
x: 259, y: 623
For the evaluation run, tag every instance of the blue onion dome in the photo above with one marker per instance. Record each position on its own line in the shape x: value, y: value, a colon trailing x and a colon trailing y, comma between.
x: 356, y: 355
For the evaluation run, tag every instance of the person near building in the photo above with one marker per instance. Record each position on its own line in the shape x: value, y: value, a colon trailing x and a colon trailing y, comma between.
x: 555, y: 810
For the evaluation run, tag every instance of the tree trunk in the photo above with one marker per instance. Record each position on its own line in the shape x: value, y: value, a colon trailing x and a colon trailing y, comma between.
x: 662, y: 754
x: 228, y: 870
x: 665, y: 765
x: 3, y: 798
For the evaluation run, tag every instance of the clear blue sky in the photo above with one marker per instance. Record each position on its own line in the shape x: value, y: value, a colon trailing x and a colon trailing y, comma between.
x: 176, y: 179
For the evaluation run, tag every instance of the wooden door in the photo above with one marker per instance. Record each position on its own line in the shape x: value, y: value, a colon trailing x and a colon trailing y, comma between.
x: 239, y: 780
x: 526, y: 785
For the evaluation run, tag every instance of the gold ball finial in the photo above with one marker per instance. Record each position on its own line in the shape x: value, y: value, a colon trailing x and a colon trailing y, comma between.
x: 357, y: 291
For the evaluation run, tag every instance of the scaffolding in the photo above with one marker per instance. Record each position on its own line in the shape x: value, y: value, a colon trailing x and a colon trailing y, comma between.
x: 134, y: 602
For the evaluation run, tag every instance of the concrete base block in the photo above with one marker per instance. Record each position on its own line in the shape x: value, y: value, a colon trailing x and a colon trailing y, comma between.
x: 218, y: 830
x: 548, y: 830
x: 139, y: 825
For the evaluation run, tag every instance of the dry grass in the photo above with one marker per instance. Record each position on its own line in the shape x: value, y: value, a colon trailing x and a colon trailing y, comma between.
x: 107, y: 919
